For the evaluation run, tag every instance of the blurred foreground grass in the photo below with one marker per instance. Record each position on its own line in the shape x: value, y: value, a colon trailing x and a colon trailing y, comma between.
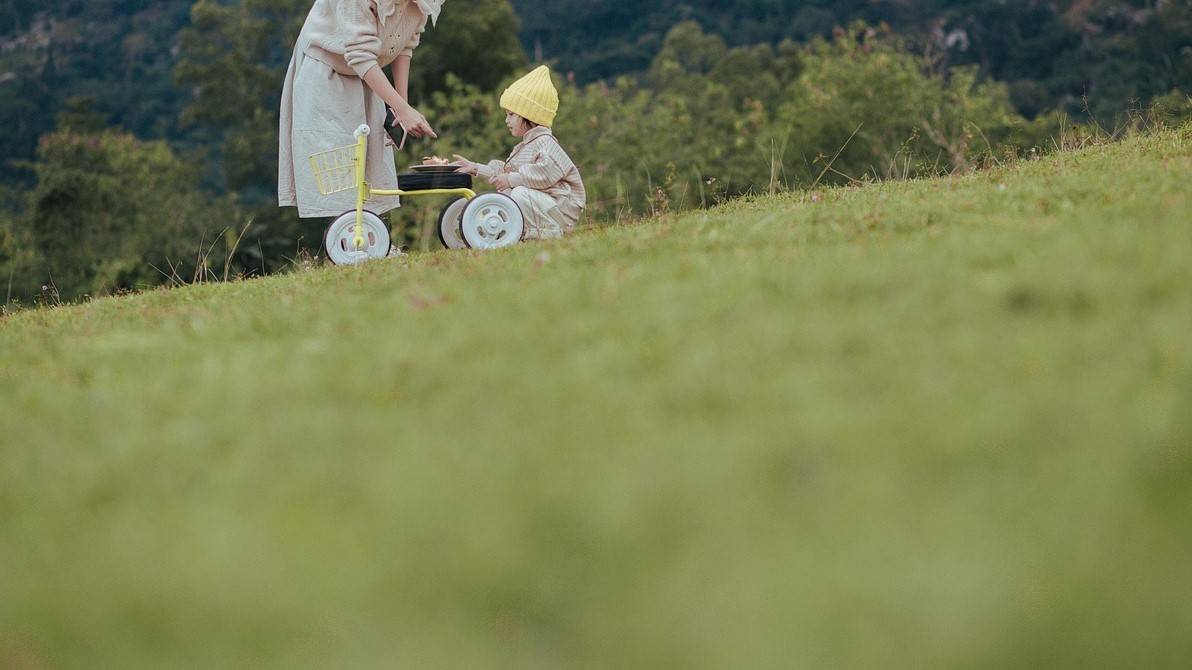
x: 928, y: 424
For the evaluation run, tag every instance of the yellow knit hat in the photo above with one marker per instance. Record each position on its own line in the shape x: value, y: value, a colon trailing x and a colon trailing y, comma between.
x: 533, y: 97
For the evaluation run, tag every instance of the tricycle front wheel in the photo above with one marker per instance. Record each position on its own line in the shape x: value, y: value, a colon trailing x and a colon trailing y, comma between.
x: 340, y: 242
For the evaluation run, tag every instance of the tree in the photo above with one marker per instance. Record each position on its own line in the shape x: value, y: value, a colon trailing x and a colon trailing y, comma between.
x: 233, y: 59
x: 475, y: 41
x: 866, y: 109
x: 118, y: 54
x: 111, y: 212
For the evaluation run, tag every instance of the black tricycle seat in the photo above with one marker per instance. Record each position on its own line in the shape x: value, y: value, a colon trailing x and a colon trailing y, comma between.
x: 422, y: 181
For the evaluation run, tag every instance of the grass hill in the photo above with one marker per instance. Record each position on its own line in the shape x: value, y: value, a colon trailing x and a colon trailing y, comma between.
x: 928, y: 424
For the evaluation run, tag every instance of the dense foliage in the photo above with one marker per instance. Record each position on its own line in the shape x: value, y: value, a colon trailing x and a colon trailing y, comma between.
x: 117, y: 56
x: 111, y: 213
x: 1067, y: 54
x: 664, y: 105
x: 714, y: 122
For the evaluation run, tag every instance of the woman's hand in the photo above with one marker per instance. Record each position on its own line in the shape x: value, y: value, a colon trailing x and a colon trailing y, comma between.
x: 409, y: 118
x: 414, y: 122
x: 501, y: 181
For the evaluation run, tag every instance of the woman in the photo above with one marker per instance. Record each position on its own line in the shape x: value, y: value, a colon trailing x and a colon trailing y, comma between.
x: 336, y: 82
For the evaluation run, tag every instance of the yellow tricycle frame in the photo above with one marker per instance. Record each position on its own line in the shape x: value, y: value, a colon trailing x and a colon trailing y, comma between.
x: 342, y: 169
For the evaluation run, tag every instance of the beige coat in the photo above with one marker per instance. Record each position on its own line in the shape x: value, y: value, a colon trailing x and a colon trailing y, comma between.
x: 324, y: 98
x: 539, y: 162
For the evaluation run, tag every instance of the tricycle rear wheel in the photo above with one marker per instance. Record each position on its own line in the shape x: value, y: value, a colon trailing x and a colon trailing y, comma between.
x: 491, y: 221
x: 449, y: 220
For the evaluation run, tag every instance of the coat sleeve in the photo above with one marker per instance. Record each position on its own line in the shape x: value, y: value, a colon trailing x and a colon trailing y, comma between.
x: 541, y: 174
x: 358, y: 29
x: 490, y: 170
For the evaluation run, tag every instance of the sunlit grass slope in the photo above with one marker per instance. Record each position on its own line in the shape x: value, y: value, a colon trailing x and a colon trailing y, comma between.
x: 930, y: 424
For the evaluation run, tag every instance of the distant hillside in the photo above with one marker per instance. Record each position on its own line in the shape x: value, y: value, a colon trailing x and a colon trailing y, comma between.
x: 1053, y: 54
x: 113, y: 59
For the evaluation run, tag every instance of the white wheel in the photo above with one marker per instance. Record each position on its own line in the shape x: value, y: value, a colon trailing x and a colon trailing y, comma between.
x: 449, y: 224
x: 340, y: 240
x: 491, y: 221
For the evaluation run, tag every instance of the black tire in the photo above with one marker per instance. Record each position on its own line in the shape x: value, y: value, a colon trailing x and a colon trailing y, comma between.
x: 449, y: 219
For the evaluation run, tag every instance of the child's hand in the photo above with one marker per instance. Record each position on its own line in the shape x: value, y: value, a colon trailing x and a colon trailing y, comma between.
x: 465, y: 166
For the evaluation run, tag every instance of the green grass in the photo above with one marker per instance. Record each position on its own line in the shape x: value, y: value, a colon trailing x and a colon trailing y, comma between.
x: 932, y: 424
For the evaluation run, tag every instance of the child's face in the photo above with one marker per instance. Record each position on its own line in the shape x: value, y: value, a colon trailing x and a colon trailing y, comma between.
x: 516, y: 124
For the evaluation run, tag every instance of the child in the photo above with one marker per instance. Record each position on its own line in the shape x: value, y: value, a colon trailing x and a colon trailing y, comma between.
x: 538, y: 174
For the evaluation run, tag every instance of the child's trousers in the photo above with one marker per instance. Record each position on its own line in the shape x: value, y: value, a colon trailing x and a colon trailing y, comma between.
x: 542, y: 216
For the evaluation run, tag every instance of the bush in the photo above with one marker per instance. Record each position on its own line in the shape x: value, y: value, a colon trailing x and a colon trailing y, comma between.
x: 717, y: 122
x: 710, y: 122
x: 866, y: 109
x: 111, y: 213
x: 690, y: 138
x: 1171, y: 110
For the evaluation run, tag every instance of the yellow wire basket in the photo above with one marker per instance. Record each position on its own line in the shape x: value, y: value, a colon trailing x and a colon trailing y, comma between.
x: 335, y: 169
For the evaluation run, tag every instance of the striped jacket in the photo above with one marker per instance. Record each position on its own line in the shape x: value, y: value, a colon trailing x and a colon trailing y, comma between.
x: 539, y: 162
